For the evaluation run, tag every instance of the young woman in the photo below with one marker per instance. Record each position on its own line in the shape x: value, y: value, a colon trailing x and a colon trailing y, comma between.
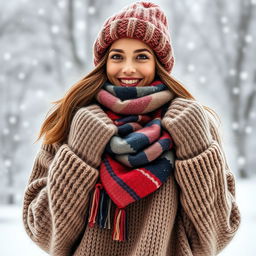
x: 131, y: 163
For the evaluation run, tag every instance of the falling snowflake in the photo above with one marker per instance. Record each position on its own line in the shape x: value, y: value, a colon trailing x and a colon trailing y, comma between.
x: 22, y: 107
x: 25, y: 124
x: 202, y: 79
x: 191, y: 68
x: 55, y: 29
x: 195, y: 7
x: 91, y: 10
x: 12, y: 120
x: 39, y: 93
x: 6, y: 131
x: 232, y: 72
x: 81, y: 25
x: 241, y: 160
x: 21, y: 75
x: 191, y: 45
x: 34, y: 62
x: 248, y: 39
x: 235, y: 125
x: 248, y: 129
x: 41, y: 11
x: 235, y: 90
x: 7, y: 163
x: 224, y: 19
x: 61, y: 4
x: 243, y: 75
x: 7, y: 56
x: 225, y: 29
x: 78, y: 4
x: 16, y: 137
x: 68, y: 64
x: 253, y: 115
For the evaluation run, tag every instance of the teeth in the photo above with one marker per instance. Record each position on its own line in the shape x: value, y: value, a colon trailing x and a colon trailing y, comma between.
x: 129, y: 81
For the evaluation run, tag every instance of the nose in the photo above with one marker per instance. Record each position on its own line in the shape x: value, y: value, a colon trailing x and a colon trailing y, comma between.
x: 129, y: 68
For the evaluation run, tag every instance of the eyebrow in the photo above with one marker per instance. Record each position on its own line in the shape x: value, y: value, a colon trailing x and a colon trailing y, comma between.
x: 136, y: 51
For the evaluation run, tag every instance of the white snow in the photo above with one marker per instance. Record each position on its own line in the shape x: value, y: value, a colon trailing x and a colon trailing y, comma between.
x: 55, y: 29
x: 12, y: 119
x: 224, y: 19
x: 91, y: 10
x: 21, y: 75
x: 61, y: 4
x: 232, y: 72
x: 248, y: 39
x: 7, y: 56
x: 41, y: 11
x: 235, y: 126
x: 236, y: 90
x: 191, y: 67
x: 243, y: 75
x: 15, y: 241
x: 191, y: 45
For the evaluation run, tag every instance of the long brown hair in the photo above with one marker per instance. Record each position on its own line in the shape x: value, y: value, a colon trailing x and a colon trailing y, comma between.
x: 56, y: 126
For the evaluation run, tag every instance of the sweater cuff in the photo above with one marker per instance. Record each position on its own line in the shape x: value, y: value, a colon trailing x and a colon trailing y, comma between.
x: 69, y: 177
x: 188, y: 124
x: 91, y: 131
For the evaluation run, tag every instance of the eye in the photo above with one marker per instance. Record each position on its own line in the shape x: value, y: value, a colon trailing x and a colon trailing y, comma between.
x: 143, y: 55
x: 112, y: 57
x: 140, y: 56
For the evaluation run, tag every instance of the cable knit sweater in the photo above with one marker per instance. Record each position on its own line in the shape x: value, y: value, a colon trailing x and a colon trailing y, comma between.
x: 193, y: 213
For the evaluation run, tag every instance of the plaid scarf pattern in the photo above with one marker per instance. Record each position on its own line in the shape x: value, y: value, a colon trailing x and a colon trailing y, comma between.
x: 138, y: 159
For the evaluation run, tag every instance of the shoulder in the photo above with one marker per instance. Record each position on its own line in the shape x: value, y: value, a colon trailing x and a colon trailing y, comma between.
x: 180, y: 106
x: 91, y: 108
x: 48, y: 151
x: 87, y: 112
x: 91, y: 113
x: 183, y: 102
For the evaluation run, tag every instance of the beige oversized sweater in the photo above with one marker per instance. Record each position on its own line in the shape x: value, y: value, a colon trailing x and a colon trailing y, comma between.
x: 193, y: 213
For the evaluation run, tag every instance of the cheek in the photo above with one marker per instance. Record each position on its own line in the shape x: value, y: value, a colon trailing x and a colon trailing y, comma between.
x: 111, y: 69
x: 149, y: 71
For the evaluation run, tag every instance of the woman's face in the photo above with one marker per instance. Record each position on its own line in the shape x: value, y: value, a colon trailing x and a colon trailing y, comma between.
x: 130, y: 63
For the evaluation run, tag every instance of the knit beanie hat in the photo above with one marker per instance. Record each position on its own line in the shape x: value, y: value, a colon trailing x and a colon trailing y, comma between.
x: 144, y: 21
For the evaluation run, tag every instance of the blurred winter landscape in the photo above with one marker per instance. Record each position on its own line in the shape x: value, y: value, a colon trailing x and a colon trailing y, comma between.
x: 46, y: 46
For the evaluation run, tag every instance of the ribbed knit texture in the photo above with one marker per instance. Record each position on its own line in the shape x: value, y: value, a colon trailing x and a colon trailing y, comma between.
x: 190, y: 127
x: 193, y: 213
x: 144, y: 21
x: 87, y: 121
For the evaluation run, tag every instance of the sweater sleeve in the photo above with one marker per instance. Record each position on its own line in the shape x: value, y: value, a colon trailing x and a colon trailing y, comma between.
x: 56, y: 198
x: 207, y: 195
x: 208, y: 217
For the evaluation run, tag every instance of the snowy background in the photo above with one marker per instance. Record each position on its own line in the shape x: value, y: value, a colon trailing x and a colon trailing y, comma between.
x: 46, y: 46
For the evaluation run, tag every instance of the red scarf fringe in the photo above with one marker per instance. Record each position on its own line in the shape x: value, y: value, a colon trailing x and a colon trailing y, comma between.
x: 120, y: 232
x: 120, y: 224
x: 95, y: 205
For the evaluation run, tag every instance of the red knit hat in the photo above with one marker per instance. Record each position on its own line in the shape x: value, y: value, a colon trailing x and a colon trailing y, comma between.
x: 144, y: 21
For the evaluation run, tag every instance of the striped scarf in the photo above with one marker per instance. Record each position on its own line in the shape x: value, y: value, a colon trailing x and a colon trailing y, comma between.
x: 138, y: 159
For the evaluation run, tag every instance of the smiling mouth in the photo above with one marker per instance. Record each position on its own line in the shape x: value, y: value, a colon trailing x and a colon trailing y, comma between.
x: 126, y: 82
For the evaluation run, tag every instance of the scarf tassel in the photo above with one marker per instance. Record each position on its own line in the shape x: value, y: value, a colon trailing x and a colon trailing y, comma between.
x: 120, y: 225
x: 100, y: 208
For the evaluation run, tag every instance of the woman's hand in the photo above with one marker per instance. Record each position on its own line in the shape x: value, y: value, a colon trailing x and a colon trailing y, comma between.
x: 89, y: 133
x: 189, y: 127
